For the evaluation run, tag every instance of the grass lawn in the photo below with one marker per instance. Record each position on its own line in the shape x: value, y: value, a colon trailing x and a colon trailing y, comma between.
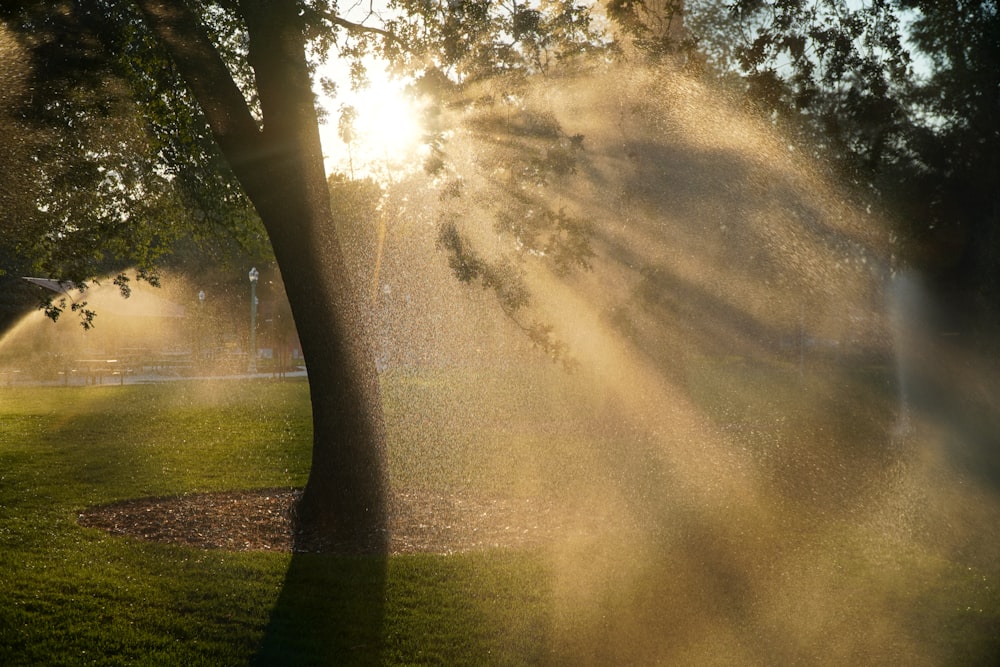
x: 827, y: 567
x: 77, y: 596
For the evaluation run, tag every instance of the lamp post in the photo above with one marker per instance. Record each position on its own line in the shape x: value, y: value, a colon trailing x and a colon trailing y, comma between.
x: 253, y: 275
x: 200, y: 329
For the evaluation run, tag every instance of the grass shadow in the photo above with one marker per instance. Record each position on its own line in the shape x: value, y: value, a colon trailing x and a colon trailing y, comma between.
x: 330, y: 611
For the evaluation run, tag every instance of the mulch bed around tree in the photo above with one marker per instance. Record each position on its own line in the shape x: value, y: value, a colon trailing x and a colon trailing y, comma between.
x: 260, y: 520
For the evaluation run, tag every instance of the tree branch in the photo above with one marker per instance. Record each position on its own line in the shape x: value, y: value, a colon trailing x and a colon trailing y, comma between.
x: 184, y: 37
x: 351, y: 26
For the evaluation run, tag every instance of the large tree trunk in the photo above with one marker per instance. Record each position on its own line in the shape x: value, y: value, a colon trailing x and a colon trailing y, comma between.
x: 344, y: 499
x: 280, y: 167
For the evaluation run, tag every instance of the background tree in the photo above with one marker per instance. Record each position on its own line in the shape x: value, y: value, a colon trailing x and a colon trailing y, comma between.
x: 900, y: 96
x: 953, y: 193
x: 475, y: 40
x: 346, y: 132
x: 102, y: 190
x: 17, y: 144
x: 832, y: 72
x: 654, y: 26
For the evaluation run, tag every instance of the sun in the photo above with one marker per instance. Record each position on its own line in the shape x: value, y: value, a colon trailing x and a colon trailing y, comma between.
x: 386, y: 131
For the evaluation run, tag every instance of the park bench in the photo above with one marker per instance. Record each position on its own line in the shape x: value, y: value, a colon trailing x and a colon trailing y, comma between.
x: 94, y: 370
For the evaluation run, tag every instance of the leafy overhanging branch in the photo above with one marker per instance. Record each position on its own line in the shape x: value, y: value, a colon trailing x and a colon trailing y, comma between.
x: 356, y: 28
x: 222, y: 102
x: 506, y: 280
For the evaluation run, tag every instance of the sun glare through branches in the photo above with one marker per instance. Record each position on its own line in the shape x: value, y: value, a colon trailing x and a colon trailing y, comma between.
x: 374, y: 131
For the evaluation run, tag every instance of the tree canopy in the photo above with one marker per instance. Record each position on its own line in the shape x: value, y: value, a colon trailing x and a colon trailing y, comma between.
x: 901, y: 96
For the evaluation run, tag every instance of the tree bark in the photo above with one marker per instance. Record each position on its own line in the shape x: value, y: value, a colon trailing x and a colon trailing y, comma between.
x: 280, y: 167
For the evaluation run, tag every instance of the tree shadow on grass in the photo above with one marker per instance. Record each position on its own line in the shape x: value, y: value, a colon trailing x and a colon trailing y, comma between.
x: 330, y: 611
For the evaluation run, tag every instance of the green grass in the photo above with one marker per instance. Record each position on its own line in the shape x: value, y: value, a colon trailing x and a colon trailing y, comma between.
x: 73, y: 596
x: 840, y: 561
x: 70, y: 595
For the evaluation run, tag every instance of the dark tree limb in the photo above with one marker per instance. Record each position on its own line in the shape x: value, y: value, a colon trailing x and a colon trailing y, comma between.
x: 181, y: 32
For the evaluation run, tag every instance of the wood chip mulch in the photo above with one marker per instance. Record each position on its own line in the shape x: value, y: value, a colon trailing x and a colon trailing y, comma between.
x: 260, y: 520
